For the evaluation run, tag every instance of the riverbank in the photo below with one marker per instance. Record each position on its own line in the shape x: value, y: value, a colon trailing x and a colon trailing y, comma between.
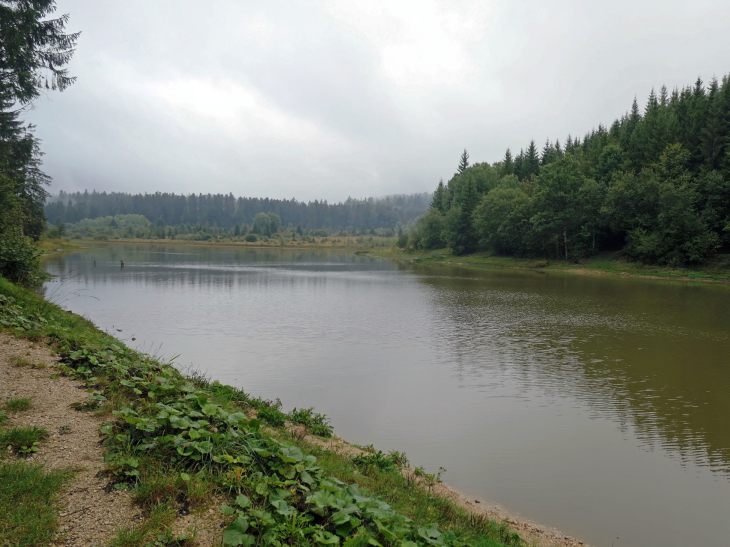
x: 56, y: 245
x: 602, y: 264
x: 185, y: 463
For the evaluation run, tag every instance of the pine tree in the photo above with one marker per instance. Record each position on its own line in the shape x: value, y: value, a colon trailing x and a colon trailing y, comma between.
x: 33, y: 52
x: 508, y: 165
x: 463, y: 162
x: 713, y: 134
x: 437, y: 202
x: 532, y: 161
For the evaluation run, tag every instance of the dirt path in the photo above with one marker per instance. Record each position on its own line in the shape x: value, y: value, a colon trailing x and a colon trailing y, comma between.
x: 90, y: 512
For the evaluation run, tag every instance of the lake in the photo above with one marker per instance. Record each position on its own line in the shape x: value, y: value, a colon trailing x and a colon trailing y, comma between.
x: 597, y: 405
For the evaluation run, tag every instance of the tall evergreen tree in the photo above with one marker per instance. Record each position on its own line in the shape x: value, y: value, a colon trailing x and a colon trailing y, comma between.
x: 33, y: 53
x: 463, y: 161
x: 532, y: 161
x: 508, y: 165
x: 437, y: 202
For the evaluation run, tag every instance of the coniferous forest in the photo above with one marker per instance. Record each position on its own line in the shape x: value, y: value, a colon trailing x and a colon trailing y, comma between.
x: 655, y: 183
x: 226, y: 211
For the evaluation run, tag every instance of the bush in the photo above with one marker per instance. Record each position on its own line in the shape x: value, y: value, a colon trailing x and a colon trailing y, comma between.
x: 19, y: 261
x: 272, y: 416
x: 251, y: 238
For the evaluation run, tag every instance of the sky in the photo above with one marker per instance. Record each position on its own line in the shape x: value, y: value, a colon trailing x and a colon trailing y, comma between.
x: 330, y: 99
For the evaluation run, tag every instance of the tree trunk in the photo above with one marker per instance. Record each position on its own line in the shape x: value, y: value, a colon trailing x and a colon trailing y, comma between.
x: 565, y: 242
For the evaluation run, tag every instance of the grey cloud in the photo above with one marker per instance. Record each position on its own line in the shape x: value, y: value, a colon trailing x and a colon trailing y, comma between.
x: 332, y: 105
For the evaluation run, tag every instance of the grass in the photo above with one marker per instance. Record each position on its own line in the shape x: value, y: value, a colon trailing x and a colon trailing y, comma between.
x: 18, y: 405
x: 48, y: 245
x: 18, y: 361
x: 610, y: 263
x: 178, y: 442
x: 3, y: 417
x: 22, y: 439
x: 27, y: 504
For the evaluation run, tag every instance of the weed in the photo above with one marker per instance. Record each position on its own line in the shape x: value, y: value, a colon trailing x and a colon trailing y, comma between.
x: 315, y: 423
x: 18, y: 405
x: 23, y: 439
x: 18, y: 361
x: 378, y: 460
x: 272, y: 416
x: 3, y: 417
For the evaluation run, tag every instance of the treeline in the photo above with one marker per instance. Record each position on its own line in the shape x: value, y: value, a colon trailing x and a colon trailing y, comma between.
x: 654, y: 183
x: 226, y: 211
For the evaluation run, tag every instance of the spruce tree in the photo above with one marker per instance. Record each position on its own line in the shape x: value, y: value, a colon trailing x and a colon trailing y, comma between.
x: 508, y: 165
x: 33, y: 53
x: 463, y: 162
x: 437, y: 203
x: 532, y: 161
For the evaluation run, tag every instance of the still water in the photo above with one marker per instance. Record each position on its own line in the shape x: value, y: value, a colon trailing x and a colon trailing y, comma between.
x: 597, y: 405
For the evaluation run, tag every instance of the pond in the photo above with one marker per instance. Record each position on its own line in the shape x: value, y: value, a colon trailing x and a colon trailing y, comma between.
x: 597, y: 405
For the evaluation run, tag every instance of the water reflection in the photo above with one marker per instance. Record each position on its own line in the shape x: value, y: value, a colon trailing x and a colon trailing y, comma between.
x: 646, y: 353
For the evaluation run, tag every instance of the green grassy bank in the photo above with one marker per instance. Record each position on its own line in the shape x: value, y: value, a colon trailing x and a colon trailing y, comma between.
x: 180, y: 443
x: 602, y: 264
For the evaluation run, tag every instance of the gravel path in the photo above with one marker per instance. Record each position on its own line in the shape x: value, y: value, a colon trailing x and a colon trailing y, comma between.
x: 90, y: 512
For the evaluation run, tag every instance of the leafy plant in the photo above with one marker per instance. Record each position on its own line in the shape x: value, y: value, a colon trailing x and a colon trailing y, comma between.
x: 272, y: 416
x: 23, y: 439
x: 315, y: 423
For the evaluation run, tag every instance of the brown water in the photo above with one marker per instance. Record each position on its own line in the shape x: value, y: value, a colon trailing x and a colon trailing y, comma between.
x: 597, y: 405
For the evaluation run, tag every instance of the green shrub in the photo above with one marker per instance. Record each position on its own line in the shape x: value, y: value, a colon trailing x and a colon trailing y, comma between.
x: 316, y: 424
x: 272, y: 416
x: 251, y: 238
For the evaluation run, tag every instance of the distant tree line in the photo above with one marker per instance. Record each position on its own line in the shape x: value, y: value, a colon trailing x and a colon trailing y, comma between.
x: 227, y: 211
x: 656, y: 183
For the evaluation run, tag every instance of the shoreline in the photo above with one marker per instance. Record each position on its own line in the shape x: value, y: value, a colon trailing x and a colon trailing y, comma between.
x: 538, y: 535
x: 85, y: 244
x: 606, y: 267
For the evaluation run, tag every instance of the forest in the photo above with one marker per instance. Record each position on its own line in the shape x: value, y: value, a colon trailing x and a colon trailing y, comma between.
x: 226, y: 211
x: 655, y: 184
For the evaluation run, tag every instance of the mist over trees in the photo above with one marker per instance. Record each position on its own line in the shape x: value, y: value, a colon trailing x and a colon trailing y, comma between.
x: 655, y: 183
x: 227, y: 211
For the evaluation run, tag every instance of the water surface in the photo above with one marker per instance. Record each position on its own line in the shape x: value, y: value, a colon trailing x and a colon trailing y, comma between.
x: 598, y: 405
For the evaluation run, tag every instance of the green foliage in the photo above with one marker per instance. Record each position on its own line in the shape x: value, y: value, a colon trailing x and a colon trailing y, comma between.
x: 431, y: 230
x: 272, y: 416
x: 315, y: 423
x: 25, y: 440
x: 27, y: 498
x: 656, y: 183
x: 251, y: 238
x: 33, y: 53
x: 225, y: 211
x: 19, y: 261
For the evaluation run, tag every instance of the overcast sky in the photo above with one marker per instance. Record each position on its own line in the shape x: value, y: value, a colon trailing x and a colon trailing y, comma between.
x: 336, y: 98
